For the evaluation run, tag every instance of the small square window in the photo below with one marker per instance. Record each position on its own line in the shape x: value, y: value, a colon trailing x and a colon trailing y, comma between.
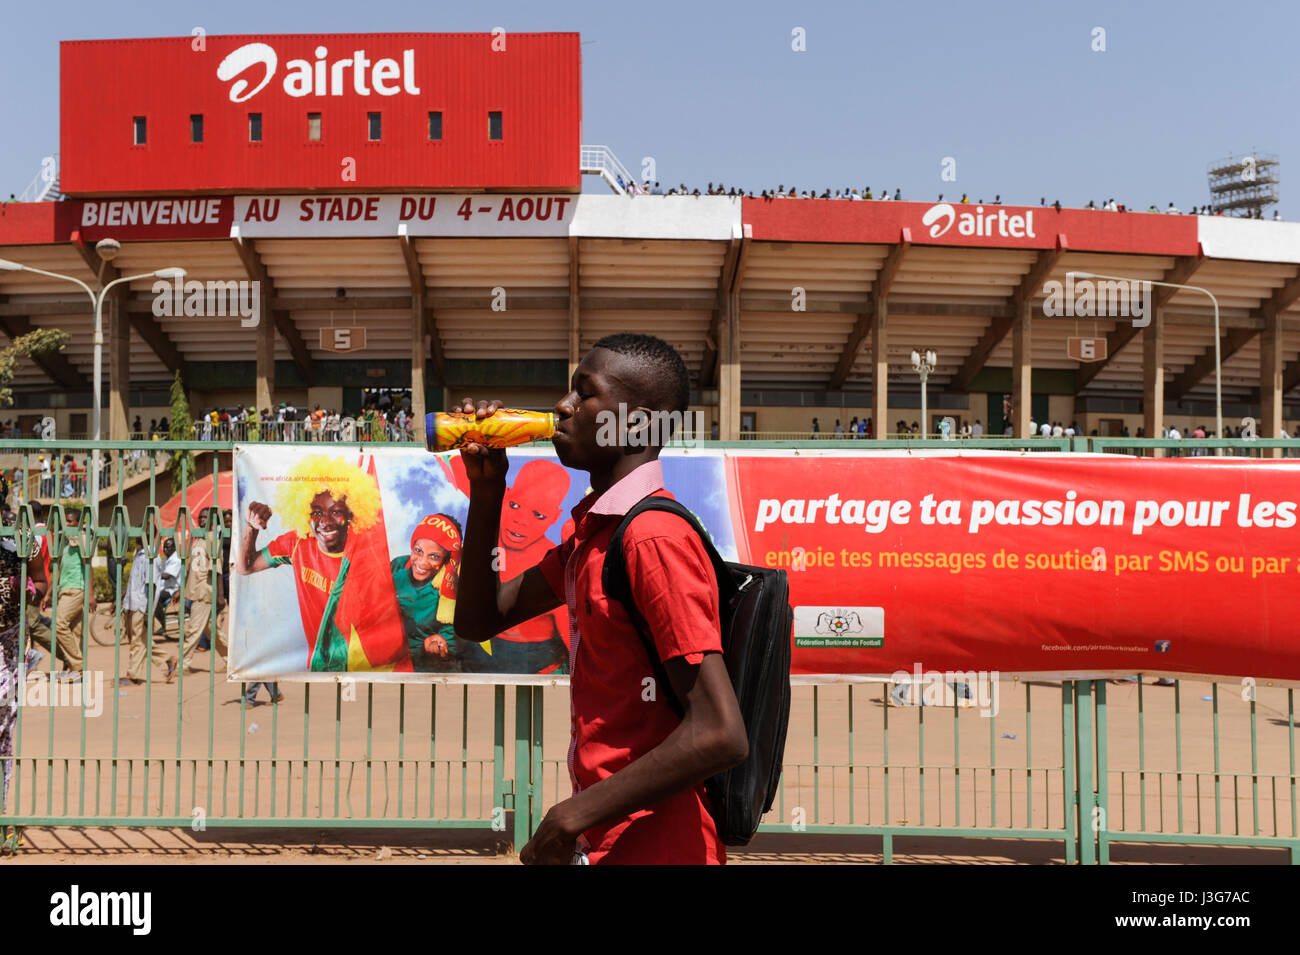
x: 435, y: 126
x: 374, y: 125
x: 494, y: 124
x: 139, y: 130
x: 196, y: 127
x: 254, y: 127
x: 313, y: 127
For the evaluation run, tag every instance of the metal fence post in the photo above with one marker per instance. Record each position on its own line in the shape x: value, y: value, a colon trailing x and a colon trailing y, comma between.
x: 522, y: 787
x: 1070, y: 791
x: 1103, y: 817
x: 1084, y: 755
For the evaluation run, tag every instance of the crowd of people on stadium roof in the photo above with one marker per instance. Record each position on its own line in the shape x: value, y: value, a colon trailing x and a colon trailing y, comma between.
x: 648, y: 188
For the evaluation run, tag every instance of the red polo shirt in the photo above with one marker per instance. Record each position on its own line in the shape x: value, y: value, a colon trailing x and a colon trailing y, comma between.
x: 676, y: 592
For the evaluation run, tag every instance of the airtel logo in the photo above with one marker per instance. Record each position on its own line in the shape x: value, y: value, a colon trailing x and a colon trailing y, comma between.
x: 940, y: 219
x: 386, y: 76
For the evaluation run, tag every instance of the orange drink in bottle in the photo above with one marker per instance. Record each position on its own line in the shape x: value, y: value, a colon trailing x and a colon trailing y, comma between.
x: 507, y: 427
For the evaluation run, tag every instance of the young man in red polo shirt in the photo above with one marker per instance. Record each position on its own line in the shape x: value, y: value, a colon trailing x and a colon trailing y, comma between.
x: 637, y: 770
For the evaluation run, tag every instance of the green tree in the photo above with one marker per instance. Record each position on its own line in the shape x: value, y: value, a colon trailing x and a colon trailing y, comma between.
x: 35, y: 342
x: 182, y: 429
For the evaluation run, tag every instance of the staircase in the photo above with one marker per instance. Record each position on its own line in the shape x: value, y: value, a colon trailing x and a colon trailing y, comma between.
x: 44, y: 187
x: 601, y: 161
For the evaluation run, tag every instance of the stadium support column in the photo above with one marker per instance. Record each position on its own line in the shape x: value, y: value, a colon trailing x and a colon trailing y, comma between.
x: 417, y: 359
x: 119, y: 365
x: 729, y: 369
x: 1022, y: 369
x: 419, y: 353
x: 424, y: 332
x: 1270, y: 379
x: 575, y: 311
x: 880, y: 363
x: 265, y: 356
x: 1153, y: 375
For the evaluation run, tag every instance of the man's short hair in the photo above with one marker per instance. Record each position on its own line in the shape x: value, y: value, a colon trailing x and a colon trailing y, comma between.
x: 665, y: 380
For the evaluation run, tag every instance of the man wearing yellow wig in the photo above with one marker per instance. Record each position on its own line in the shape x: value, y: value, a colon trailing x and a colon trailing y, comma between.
x: 336, y: 545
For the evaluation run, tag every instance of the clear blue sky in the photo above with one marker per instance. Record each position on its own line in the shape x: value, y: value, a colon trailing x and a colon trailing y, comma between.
x: 1012, y: 91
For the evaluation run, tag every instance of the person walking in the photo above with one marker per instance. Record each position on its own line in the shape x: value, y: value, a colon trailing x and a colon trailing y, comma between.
x: 69, y: 612
x: 142, y: 648
x: 167, y: 572
x: 198, y: 594
x: 14, y: 658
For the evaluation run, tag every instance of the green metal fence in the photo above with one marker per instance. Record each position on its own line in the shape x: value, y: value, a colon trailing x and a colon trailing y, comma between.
x: 1082, y: 763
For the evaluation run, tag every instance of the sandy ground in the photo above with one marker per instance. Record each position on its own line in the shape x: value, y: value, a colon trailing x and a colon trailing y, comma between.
x: 104, y: 846
x: 192, y: 750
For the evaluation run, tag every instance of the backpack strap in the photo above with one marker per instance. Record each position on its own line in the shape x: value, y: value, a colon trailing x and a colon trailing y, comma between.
x: 617, y: 586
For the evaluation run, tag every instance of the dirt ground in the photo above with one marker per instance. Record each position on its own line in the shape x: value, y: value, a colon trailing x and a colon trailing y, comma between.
x: 191, y: 750
x: 104, y: 846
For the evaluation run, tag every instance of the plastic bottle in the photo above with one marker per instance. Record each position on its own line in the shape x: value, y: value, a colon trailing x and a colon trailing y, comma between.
x: 507, y: 427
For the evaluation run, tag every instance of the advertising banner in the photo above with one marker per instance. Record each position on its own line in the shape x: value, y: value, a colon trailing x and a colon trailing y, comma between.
x: 970, y: 224
x: 1062, y: 564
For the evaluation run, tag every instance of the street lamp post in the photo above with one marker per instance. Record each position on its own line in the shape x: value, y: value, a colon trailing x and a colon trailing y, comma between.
x: 923, y: 365
x: 97, y: 302
x: 1218, y: 361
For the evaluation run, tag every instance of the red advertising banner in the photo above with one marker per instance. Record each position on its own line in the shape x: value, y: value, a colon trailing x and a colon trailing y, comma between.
x: 936, y: 561
x: 1035, y: 563
x: 969, y: 224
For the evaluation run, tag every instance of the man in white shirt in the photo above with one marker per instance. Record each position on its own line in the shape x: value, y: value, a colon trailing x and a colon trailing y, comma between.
x: 977, y: 429
x: 1045, y: 430
x: 1058, y: 431
x: 135, y: 603
x: 1174, y: 435
x: 167, y: 574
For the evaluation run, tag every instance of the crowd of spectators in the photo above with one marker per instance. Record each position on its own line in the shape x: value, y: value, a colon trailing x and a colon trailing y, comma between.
x: 648, y: 188
x: 290, y: 423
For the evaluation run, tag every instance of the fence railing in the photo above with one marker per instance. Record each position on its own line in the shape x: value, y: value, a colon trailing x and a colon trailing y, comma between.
x: 1082, y: 763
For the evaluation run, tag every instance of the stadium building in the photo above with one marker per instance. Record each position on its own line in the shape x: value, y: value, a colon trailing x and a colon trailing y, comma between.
x: 404, y: 212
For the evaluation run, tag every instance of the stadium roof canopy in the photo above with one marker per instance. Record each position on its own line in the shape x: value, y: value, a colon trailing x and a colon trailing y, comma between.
x: 809, y: 275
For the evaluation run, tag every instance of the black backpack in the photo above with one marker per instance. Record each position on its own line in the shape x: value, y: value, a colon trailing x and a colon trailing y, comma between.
x: 757, y: 621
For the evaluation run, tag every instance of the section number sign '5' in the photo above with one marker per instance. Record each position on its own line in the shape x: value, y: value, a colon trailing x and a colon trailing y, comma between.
x: 342, y: 339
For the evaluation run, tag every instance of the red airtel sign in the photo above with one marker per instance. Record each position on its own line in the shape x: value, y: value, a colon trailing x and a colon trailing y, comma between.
x: 352, y: 112
x: 969, y: 224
